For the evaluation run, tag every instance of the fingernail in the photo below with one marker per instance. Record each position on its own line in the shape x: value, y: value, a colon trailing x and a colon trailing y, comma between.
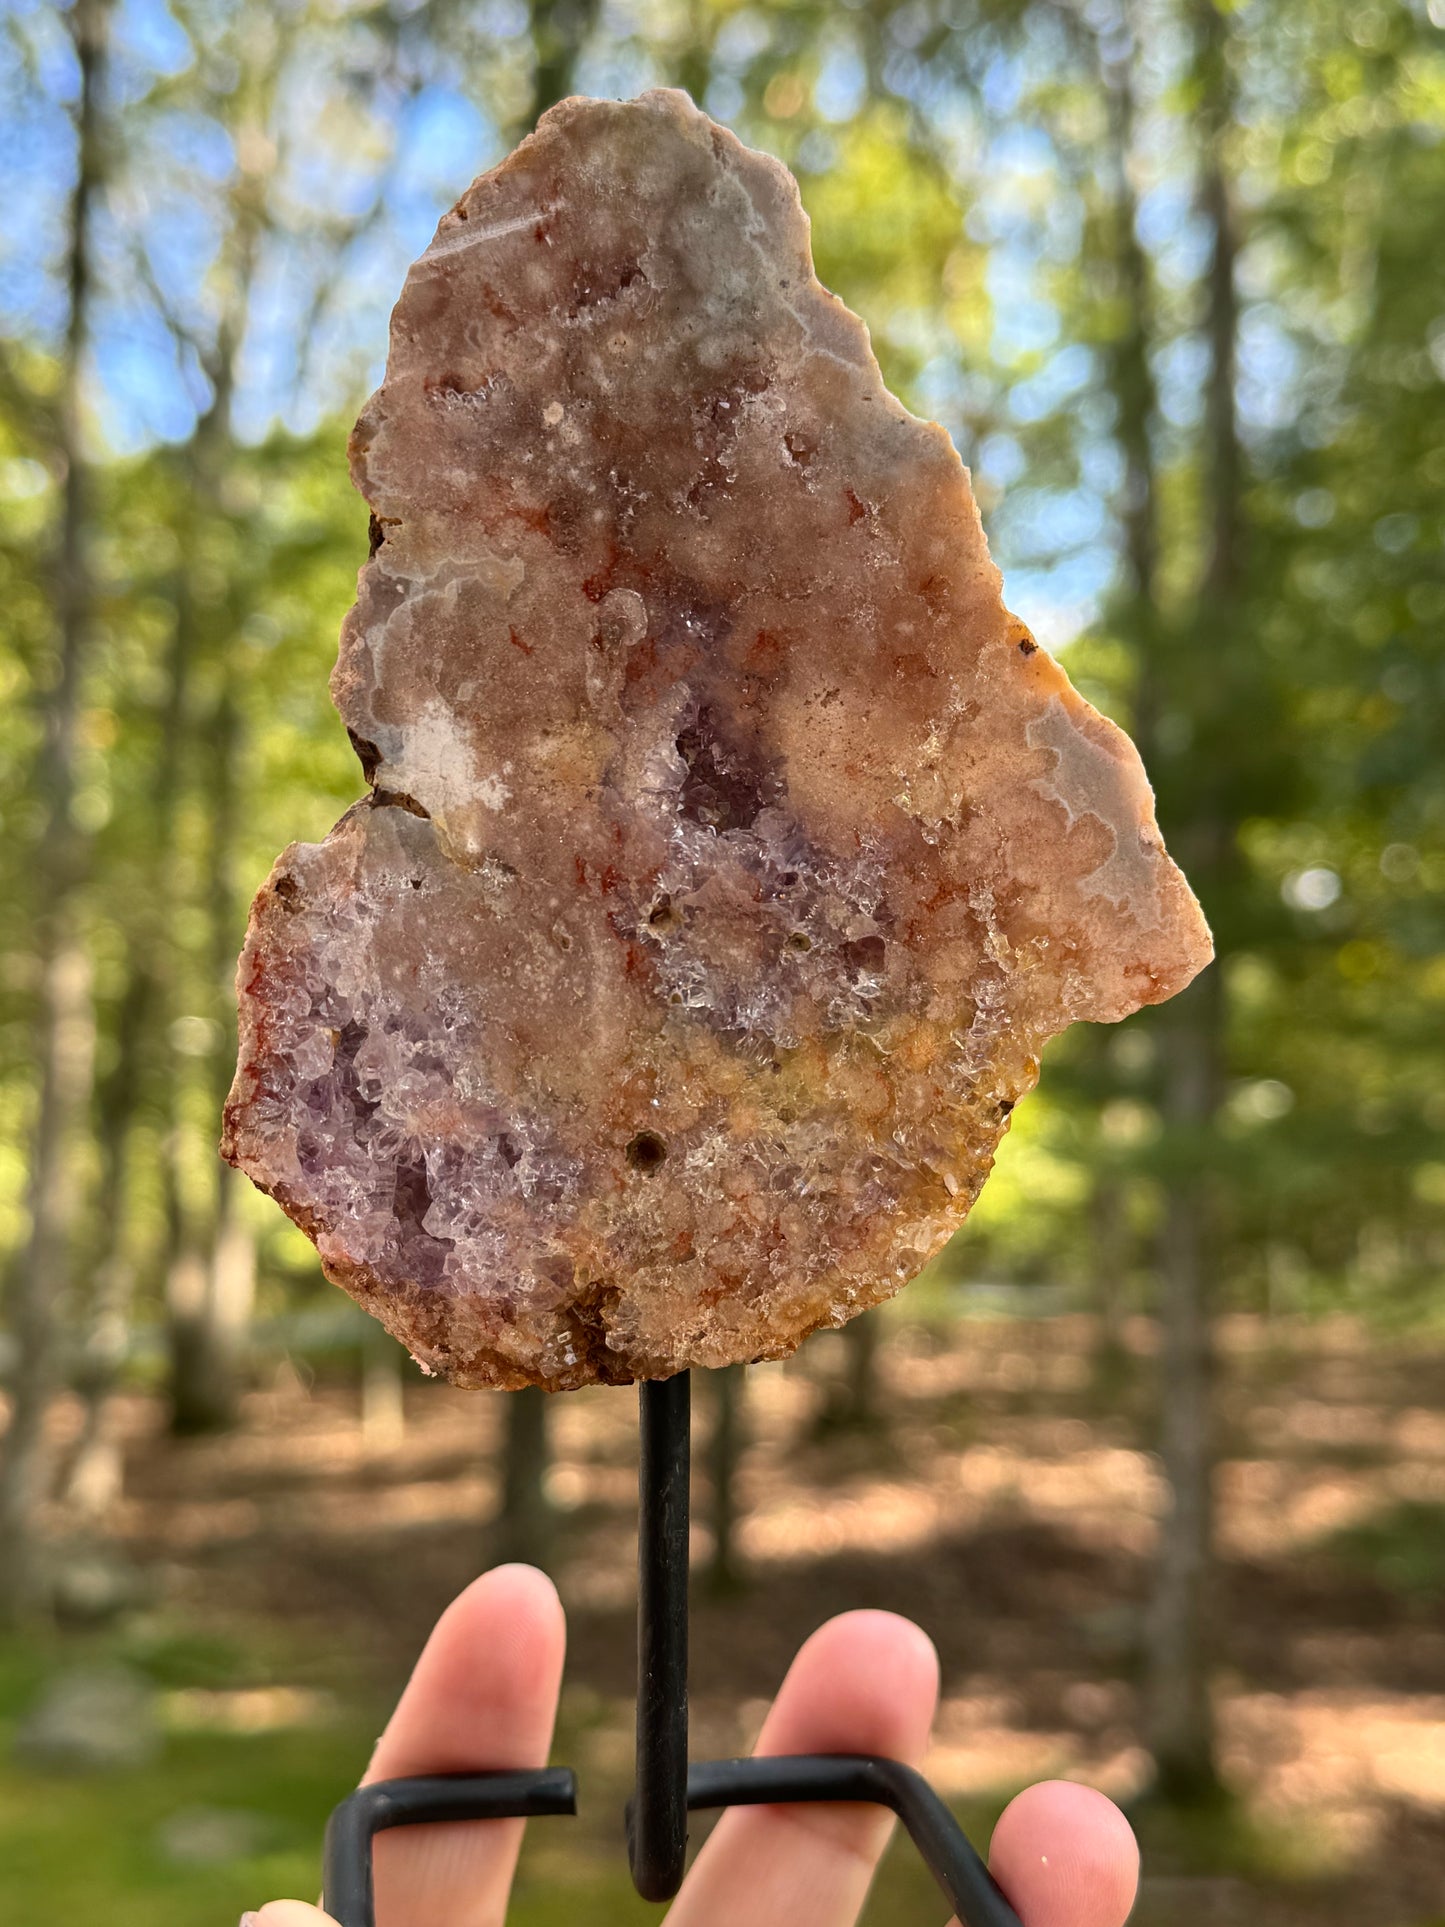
x: 249, y: 1920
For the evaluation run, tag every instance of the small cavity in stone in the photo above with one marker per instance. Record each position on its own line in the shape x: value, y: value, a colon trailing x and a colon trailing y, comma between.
x: 646, y: 1151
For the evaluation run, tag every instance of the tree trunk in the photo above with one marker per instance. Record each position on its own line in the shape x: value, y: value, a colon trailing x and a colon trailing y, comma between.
x: 195, y: 1398
x: 1179, y: 1720
x: 852, y: 1401
x: 725, y: 1450
x: 212, y: 1309
x: 209, y: 1302
x: 95, y: 1473
x: 525, y: 1519
x: 93, y: 1480
x: 860, y: 1378
x: 208, y: 1268
x: 560, y: 30
x: 1110, y: 1243
x: 211, y: 1281
x: 1131, y: 379
x: 1178, y: 1707
x: 66, y: 1023
x: 211, y: 1277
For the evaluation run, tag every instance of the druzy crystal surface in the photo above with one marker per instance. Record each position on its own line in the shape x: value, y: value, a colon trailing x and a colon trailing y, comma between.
x: 730, y: 851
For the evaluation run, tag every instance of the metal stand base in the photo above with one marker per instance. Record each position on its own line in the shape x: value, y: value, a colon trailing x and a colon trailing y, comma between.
x: 668, y: 1789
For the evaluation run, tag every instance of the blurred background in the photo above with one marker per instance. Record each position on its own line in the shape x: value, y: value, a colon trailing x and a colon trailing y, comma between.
x: 1156, y: 1449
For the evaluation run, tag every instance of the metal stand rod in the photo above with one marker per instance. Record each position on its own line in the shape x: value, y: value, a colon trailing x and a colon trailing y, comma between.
x: 657, y: 1814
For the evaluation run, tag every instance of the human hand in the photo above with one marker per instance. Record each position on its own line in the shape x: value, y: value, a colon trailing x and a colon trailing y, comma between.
x: 484, y: 1695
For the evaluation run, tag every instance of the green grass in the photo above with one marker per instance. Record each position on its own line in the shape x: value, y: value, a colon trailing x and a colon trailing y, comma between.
x: 90, y: 1850
x: 1402, y: 1549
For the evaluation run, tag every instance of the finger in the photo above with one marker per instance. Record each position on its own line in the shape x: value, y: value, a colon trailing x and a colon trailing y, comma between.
x: 483, y: 1695
x: 864, y: 1683
x: 288, y: 1913
x: 1066, y: 1857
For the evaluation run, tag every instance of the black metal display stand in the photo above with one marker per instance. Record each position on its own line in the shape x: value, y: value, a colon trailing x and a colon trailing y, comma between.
x: 667, y: 1789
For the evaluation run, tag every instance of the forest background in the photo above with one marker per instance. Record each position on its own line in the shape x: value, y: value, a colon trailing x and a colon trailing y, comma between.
x: 1172, y: 275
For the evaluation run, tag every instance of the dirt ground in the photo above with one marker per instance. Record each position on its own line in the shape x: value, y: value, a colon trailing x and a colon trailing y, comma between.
x: 1009, y: 1504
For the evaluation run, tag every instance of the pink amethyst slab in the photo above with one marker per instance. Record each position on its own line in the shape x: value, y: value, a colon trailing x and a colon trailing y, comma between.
x: 730, y: 852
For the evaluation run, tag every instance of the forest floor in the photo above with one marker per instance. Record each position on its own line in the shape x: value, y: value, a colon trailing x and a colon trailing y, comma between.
x: 1008, y: 1503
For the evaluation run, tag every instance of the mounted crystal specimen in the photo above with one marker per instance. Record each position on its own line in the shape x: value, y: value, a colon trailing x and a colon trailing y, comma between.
x: 731, y: 851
